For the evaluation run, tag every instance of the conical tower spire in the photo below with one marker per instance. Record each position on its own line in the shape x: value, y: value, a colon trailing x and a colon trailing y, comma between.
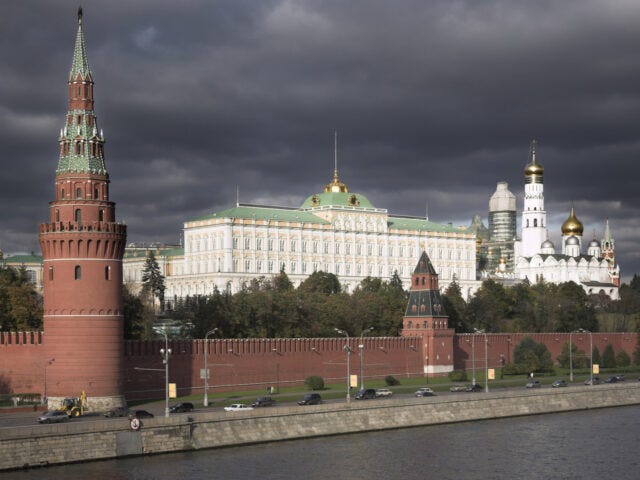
x: 80, y: 65
x: 81, y: 142
x: 607, y: 232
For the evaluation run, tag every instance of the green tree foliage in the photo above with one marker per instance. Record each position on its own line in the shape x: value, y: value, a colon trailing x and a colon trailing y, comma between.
x: 152, y: 279
x: 578, y: 357
x: 532, y: 356
x: 314, y: 383
x: 608, y: 357
x: 489, y: 308
x: 456, y: 308
x: 320, y: 282
x: 623, y: 359
x: 597, y: 359
x: 20, y: 304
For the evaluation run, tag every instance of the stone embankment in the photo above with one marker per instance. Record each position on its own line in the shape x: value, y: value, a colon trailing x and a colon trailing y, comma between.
x: 41, y: 445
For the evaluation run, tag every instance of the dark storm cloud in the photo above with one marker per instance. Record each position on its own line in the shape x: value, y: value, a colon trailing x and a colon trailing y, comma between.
x: 434, y: 103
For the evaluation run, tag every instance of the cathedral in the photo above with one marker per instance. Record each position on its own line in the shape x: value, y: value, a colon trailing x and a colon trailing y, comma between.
x: 534, y: 254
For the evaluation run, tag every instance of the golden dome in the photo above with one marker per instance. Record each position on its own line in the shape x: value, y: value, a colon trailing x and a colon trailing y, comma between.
x: 572, y: 226
x: 533, y: 168
x: 336, y: 186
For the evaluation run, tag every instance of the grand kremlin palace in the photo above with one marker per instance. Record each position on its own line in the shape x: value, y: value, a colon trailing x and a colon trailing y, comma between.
x: 334, y: 231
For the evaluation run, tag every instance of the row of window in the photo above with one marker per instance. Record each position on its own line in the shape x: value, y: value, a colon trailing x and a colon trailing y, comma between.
x: 80, y: 194
x: 77, y: 273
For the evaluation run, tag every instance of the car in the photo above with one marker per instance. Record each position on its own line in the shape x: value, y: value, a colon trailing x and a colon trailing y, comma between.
x: 365, y: 394
x: 311, y: 399
x: 596, y: 381
x: 533, y: 384
x: 117, y: 412
x: 620, y: 378
x: 559, y: 383
x: 473, y: 387
x: 53, y: 416
x: 424, y: 392
x: 263, y: 402
x: 383, y: 392
x: 238, y: 407
x: 611, y: 379
x: 181, y: 407
x: 140, y: 414
x: 457, y: 388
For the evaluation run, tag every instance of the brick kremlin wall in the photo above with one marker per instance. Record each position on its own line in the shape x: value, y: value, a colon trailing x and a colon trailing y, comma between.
x: 501, y: 345
x: 22, y: 362
x: 260, y: 363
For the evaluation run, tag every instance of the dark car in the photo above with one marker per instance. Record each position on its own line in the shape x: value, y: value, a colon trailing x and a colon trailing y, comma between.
x: 596, y: 381
x: 117, y: 412
x: 311, y: 399
x: 140, y: 414
x: 533, y: 384
x: 559, y: 383
x: 473, y: 388
x: 366, y: 394
x: 181, y: 407
x: 611, y: 379
x: 263, y: 402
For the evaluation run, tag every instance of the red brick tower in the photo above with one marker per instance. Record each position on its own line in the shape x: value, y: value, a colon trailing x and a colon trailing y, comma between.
x: 425, y: 317
x: 82, y: 248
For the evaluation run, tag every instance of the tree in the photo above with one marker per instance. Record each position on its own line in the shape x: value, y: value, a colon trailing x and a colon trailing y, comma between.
x: 489, y: 307
x: 153, y: 280
x: 575, y: 310
x: 320, y: 282
x: 596, y: 359
x: 20, y: 304
x: 608, y: 357
x: 136, y: 314
x: 456, y: 308
x: 623, y: 359
x: 577, y: 356
x: 532, y: 356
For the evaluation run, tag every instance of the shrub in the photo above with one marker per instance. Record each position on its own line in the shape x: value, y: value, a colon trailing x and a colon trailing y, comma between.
x: 390, y: 380
x: 623, y: 359
x: 458, y: 376
x: 314, y: 383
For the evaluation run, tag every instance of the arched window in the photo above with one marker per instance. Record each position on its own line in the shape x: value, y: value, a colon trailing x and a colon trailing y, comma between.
x: 78, y: 193
x: 95, y: 193
x: 57, y: 215
x: 409, y: 324
x: 101, y: 216
x: 78, y: 215
x: 62, y: 193
x: 78, y: 272
x: 423, y: 281
x: 527, y: 222
x: 535, y: 222
x: 417, y: 281
x: 51, y: 274
x: 107, y: 273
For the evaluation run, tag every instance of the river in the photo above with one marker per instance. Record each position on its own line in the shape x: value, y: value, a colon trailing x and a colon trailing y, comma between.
x: 596, y: 444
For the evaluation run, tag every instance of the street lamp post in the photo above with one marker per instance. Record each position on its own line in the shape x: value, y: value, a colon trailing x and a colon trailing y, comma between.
x: 486, y: 360
x: 205, y: 400
x: 361, y: 348
x: 348, y: 350
x: 570, y: 359
x: 165, y: 352
x: 473, y: 359
x: 582, y: 330
x: 47, y: 363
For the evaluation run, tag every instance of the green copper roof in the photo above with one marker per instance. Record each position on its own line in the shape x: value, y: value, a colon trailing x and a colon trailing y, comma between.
x: 80, y: 64
x: 21, y: 259
x: 337, y: 199
x: 422, y: 224
x: 266, y: 213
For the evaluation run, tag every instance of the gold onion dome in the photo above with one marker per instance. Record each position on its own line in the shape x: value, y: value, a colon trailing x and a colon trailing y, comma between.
x: 572, y: 226
x: 336, y: 186
x: 533, y: 168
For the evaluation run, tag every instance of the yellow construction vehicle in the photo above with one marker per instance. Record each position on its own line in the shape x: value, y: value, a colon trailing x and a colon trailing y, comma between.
x: 74, y: 407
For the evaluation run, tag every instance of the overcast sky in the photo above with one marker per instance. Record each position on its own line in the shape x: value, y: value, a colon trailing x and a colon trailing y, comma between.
x: 434, y: 102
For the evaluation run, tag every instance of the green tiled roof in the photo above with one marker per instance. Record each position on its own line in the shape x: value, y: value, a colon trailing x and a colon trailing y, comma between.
x: 266, y: 213
x: 80, y: 64
x: 20, y: 259
x: 422, y: 224
x: 337, y: 199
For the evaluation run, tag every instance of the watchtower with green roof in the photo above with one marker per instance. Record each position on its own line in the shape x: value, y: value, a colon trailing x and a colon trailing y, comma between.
x: 82, y: 249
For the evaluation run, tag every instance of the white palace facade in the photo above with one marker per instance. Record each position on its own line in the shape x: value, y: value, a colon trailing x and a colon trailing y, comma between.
x: 334, y: 231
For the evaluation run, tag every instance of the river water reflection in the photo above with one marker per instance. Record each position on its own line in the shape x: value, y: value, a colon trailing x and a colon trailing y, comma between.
x: 598, y: 444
